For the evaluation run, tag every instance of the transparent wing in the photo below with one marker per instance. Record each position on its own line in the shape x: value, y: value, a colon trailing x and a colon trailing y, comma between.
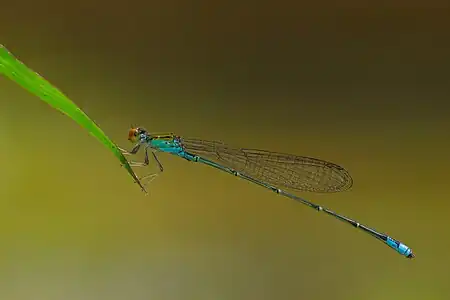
x: 292, y: 172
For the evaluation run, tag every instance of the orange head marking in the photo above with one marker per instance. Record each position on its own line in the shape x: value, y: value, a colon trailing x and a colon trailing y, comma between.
x: 133, y: 134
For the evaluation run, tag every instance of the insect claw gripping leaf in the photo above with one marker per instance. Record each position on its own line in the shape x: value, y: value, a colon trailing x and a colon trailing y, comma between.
x: 15, y: 70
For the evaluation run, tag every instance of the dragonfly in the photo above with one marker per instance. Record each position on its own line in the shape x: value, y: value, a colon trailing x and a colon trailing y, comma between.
x: 277, y: 172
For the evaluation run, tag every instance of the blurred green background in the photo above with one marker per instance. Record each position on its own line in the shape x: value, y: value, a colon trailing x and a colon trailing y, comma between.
x: 366, y: 87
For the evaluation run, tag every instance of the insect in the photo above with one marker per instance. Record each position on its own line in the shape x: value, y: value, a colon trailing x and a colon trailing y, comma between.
x: 271, y: 170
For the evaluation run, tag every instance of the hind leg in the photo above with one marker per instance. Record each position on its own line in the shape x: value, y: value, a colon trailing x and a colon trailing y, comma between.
x: 146, y: 179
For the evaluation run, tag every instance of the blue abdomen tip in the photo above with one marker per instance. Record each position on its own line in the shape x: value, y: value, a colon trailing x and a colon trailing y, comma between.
x: 399, y: 247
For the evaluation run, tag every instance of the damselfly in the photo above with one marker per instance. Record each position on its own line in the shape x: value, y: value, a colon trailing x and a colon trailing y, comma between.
x: 267, y: 169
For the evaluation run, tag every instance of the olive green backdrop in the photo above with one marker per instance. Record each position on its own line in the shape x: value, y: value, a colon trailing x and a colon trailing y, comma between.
x: 366, y: 87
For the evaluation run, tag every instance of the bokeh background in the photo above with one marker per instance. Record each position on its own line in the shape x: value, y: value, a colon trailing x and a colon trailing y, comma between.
x: 364, y: 86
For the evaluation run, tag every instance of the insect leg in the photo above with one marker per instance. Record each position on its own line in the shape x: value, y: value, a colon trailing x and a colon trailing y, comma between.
x: 151, y: 176
x: 161, y: 168
x: 141, y: 164
x: 133, y: 151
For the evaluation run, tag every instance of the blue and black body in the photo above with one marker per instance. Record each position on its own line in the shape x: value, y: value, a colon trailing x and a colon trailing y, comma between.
x: 267, y: 169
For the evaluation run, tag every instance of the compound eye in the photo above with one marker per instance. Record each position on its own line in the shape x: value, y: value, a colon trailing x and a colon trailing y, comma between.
x: 140, y: 131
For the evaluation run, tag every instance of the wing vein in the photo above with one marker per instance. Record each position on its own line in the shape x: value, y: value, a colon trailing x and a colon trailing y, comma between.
x: 291, y: 172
